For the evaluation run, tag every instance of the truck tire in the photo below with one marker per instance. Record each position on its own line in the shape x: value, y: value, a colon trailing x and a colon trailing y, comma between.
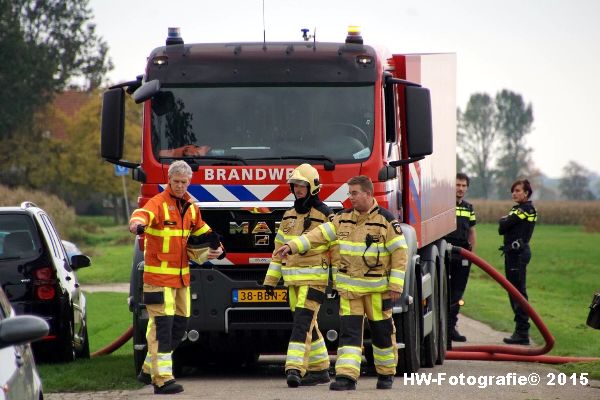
x: 430, y: 342
x: 408, y: 331
x: 443, y: 312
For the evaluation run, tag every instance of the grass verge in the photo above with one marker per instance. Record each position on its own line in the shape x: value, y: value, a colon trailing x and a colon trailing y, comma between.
x: 108, y: 317
x: 561, y: 279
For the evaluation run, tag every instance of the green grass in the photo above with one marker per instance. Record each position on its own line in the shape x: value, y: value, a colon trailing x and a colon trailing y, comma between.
x: 108, y: 317
x: 561, y: 280
x: 109, y: 246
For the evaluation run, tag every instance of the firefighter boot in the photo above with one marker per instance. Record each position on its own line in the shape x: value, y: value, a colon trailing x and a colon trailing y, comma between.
x: 292, y: 376
x: 313, y: 378
x: 385, y: 381
x: 343, y: 383
x: 517, y: 338
x: 170, y: 387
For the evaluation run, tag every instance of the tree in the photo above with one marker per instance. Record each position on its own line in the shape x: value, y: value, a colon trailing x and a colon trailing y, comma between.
x: 44, y: 45
x: 476, y: 135
x: 575, y: 182
x: 513, y: 122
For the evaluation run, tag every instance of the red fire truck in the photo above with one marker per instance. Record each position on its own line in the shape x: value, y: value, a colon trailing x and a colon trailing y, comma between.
x: 244, y: 115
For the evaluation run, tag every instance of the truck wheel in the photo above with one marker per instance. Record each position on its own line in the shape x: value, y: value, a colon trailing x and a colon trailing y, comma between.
x: 430, y: 342
x: 408, y: 331
x: 443, y: 313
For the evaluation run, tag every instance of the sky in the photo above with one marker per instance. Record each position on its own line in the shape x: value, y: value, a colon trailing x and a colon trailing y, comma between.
x: 546, y: 50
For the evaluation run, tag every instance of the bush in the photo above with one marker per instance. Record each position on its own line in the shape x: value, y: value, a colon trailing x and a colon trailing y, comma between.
x: 62, y: 215
x: 586, y: 213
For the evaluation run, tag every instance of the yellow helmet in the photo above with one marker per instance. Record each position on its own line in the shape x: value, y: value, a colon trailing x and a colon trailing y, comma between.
x: 306, y: 174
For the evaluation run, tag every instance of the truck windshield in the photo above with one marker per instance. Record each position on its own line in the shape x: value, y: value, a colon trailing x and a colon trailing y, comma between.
x: 258, y: 122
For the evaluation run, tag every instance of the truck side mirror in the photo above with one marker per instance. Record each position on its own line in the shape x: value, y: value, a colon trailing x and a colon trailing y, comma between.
x: 113, y: 124
x: 146, y: 91
x: 419, y: 131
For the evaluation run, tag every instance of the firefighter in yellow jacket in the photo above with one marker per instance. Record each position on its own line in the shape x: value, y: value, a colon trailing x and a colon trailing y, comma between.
x: 369, y: 279
x: 168, y: 220
x: 307, y: 276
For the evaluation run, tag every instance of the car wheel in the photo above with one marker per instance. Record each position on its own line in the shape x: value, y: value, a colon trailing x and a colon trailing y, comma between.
x: 84, y: 352
x: 64, y: 348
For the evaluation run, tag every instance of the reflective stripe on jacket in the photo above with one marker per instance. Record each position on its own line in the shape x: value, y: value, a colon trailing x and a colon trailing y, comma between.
x: 169, y: 222
x: 361, y: 269
x: 310, y: 267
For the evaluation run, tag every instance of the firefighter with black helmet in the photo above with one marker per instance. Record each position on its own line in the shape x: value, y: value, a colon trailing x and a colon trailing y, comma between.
x: 464, y: 236
x: 369, y: 258
x: 307, y: 276
x: 517, y: 228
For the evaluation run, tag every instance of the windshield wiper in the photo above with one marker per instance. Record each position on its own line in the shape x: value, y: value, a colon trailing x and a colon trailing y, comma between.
x: 196, y: 158
x: 10, y: 258
x: 329, y: 164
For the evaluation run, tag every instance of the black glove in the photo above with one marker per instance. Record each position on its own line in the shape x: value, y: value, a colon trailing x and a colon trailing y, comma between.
x: 270, y: 290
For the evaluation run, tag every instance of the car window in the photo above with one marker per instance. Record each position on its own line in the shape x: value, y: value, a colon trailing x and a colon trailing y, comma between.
x: 19, y: 237
x: 56, y: 243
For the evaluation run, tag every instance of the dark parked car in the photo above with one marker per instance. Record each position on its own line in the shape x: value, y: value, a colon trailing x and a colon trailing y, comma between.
x: 19, y: 378
x: 39, y: 278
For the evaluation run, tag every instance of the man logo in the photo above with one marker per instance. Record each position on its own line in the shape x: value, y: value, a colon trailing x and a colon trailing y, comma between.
x: 243, y: 228
x: 261, y: 240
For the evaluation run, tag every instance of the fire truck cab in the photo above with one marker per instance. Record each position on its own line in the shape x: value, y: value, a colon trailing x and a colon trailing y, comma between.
x: 244, y: 115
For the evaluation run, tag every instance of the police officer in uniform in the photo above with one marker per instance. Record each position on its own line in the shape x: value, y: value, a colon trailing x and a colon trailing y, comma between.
x: 169, y: 220
x: 464, y: 236
x: 307, y: 276
x: 369, y: 279
x: 517, y: 228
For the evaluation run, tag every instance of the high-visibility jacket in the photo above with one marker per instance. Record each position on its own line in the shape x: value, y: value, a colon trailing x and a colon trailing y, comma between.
x: 361, y: 269
x: 519, y: 224
x: 465, y: 220
x: 309, y: 268
x: 169, y: 222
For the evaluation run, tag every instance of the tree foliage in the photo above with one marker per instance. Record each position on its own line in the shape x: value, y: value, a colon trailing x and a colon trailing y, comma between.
x: 44, y: 45
x: 71, y: 168
x: 491, y: 141
x: 575, y: 182
x: 513, y: 122
x: 476, y: 140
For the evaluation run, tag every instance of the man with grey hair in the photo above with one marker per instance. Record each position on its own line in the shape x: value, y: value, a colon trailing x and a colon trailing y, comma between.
x: 167, y: 221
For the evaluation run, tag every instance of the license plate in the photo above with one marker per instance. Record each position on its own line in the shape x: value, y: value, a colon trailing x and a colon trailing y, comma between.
x: 258, y: 296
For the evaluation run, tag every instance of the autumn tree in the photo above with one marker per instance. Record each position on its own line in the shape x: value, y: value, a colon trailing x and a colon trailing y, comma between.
x: 44, y: 45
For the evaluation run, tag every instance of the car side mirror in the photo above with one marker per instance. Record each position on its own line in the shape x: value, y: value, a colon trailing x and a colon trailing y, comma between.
x: 22, y: 329
x: 80, y: 261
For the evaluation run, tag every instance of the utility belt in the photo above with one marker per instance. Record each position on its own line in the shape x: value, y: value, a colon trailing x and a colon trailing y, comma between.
x: 514, y: 246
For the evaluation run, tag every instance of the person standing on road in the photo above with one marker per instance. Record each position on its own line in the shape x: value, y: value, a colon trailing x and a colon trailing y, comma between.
x: 168, y: 220
x: 464, y: 236
x: 517, y: 228
x: 307, y: 276
x: 369, y: 279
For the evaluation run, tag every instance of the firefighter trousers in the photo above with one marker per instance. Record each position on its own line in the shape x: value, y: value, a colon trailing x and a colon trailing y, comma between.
x: 306, y: 350
x: 378, y: 309
x: 168, y: 312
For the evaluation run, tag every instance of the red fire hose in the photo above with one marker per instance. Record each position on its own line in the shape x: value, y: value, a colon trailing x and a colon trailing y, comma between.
x: 508, y: 352
x: 479, y: 352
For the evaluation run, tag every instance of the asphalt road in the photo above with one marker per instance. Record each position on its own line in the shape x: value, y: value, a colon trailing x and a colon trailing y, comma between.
x: 455, y: 379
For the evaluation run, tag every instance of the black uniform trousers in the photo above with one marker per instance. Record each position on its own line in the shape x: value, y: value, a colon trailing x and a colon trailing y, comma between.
x: 459, y: 276
x: 515, y: 266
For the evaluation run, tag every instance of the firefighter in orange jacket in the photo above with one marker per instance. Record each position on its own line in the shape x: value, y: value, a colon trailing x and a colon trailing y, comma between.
x: 306, y: 276
x: 168, y: 220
